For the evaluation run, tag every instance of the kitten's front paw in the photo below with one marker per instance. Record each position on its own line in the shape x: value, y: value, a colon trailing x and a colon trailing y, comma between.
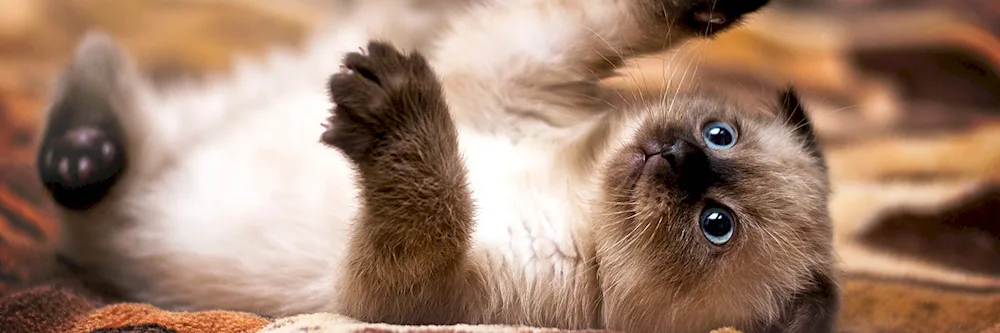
x: 79, y: 165
x: 708, y: 17
x: 381, y: 95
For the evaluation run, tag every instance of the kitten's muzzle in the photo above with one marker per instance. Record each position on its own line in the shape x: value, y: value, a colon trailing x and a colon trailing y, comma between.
x: 684, y: 159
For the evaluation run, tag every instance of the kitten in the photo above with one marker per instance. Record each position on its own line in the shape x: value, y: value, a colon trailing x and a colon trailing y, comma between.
x: 496, y: 187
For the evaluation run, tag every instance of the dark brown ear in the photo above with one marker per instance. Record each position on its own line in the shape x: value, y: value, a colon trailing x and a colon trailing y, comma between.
x: 794, y: 115
x: 813, y: 310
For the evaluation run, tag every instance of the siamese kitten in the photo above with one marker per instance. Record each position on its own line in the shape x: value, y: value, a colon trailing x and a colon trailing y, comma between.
x: 491, y: 183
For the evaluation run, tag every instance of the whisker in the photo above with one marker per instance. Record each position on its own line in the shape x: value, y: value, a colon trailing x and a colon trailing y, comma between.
x: 613, y: 64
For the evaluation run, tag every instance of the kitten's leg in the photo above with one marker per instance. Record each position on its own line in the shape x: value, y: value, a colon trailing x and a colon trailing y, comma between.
x: 542, y: 58
x: 87, y: 145
x: 408, y: 261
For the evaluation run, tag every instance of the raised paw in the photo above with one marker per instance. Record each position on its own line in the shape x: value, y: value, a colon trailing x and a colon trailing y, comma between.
x: 382, y: 96
x: 709, y: 17
x: 78, y: 166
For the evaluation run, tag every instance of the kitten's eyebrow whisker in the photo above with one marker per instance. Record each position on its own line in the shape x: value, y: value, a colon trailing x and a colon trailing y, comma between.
x: 673, y: 72
x: 666, y: 41
x: 618, y: 92
x: 679, y: 85
x: 699, y: 54
x: 664, y: 83
x: 612, y: 64
x: 667, y: 98
x: 628, y: 46
x: 601, y: 100
x: 627, y: 102
x: 841, y: 109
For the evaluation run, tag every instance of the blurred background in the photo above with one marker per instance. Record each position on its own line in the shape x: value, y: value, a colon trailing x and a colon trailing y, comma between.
x: 905, y: 95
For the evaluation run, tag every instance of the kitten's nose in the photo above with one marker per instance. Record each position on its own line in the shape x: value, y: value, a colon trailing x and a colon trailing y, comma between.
x: 684, y: 156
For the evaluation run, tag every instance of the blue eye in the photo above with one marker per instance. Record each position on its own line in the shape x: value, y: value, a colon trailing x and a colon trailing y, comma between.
x: 719, y: 136
x: 717, y: 224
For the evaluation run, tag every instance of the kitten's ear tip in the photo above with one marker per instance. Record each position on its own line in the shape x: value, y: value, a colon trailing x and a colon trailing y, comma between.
x: 791, y: 103
x: 795, y: 115
x: 789, y: 93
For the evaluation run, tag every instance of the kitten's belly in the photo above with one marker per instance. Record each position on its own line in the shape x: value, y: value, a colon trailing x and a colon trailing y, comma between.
x: 254, y: 218
x: 529, y: 234
x: 523, y: 222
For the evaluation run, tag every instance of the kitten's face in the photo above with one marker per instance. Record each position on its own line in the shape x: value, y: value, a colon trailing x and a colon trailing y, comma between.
x: 714, y: 213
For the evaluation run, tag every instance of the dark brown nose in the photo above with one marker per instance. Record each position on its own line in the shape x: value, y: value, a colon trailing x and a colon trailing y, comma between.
x: 687, y: 167
x: 685, y: 157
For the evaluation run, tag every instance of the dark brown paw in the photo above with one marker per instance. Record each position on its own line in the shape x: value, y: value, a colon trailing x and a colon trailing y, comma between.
x: 79, y: 166
x: 382, y: 96
x: 709, y: 17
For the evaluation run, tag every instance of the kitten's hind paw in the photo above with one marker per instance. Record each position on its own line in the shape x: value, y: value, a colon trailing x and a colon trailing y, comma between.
x: 382, y: 96
x: 82, y: 154
x: 78, y: 166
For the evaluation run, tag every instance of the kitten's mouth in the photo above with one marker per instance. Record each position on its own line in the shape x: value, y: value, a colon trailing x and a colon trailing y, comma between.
x: 666, y: 160
x: 648, y: 157
x: 643, y: 163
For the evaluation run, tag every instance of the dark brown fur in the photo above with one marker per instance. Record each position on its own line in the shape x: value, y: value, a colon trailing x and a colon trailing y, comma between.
x: 407, y: 262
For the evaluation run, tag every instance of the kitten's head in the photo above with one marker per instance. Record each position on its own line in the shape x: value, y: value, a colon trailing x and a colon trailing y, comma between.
x: 715, y: 215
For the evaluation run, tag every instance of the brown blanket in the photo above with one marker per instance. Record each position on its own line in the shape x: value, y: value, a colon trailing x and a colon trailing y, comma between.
x: 916, y: 171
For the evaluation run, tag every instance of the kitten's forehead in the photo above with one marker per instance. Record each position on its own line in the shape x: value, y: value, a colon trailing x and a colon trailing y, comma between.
x: 692, y: 110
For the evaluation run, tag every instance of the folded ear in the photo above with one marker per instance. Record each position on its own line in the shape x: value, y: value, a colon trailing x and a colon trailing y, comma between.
x: 794, y: 114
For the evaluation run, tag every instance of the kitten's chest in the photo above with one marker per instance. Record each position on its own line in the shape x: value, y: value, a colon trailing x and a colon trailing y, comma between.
x: 525, y: 216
